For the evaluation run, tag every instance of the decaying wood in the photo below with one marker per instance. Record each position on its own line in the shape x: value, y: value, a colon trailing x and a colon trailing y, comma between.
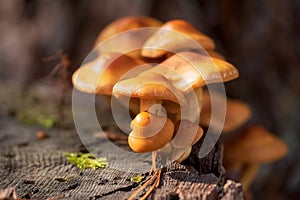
x: 38, y: 169
x: 211, y: 163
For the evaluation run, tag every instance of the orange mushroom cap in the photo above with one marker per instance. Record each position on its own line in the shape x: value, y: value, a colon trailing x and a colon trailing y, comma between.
x: 255, y: 145
x: 100, y: 75
x: 125, y: 24
x: 149, y: 85
x: 189, y: 70
x: 149, y: 134
x: 237, y: 112
x: 172, y: 35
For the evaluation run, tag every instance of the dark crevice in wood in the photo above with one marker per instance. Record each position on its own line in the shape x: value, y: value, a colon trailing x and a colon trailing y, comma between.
x: 61, y: 179
x: 121, y: 189
x: 71, y: 187
x: 29, y: 182
x: 211, y: 163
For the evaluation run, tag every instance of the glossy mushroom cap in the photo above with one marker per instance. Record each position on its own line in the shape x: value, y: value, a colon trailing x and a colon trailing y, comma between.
x: 255, y: 145
x: 189, y: 70
x: 125, y: 24
x: 237, y: 112
x: 174, y: 35
x: 149, y: 85
x: 150, y: 132
x: 100, y: 75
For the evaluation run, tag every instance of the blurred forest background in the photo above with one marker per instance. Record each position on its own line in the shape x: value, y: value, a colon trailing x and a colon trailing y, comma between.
x: 260, y: 37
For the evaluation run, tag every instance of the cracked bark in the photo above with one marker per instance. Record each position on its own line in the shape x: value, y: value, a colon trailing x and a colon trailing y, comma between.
x: 38, y: 169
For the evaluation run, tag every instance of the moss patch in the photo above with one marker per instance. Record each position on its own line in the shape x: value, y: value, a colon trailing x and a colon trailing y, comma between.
x: 86, y: 160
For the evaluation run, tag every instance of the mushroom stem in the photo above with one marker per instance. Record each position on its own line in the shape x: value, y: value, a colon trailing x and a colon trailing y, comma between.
x: 174, y: 110
x: 153, y: 167
x: 192, y: 110
x: 248, y: 175
x: 146, y: 105
x: 190, y: 115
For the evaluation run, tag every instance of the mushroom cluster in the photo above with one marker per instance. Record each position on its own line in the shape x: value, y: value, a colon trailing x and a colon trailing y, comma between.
x: 168, y: 99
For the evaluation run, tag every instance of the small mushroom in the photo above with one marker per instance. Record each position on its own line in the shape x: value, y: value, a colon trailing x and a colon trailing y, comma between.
x: 172, y: 35
x: 150, y: 132
x: 237, y: 112
x: 255, y: 145
x: 152, y: 89
x: 125, y: 24
x: 100, y: 75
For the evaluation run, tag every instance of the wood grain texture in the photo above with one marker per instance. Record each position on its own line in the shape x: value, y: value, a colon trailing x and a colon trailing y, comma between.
x: 38, y: 170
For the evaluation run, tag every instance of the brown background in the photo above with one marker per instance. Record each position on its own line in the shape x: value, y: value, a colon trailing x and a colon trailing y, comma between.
x: 260, y: 37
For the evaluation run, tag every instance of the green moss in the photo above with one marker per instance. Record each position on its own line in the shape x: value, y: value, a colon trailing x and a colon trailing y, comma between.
x: 86, y: 160
x: 31, y: 119
x: 137, y: 179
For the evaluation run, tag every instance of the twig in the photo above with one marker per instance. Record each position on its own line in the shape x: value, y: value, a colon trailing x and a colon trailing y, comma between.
x: 155, y: 177
x: 62, y: 69
x: 155, y: 185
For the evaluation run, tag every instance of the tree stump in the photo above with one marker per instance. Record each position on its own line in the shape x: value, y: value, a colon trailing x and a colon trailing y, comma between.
x: 37, y: 169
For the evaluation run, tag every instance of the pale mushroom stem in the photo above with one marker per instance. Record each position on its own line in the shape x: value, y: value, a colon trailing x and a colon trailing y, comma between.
x: 146, y: 105
x: 248, y: 175
x: 153, y: 167
x: 190, y: 114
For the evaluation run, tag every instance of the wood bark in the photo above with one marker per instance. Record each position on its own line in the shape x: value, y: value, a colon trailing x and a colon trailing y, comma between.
x: 37, y: 169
